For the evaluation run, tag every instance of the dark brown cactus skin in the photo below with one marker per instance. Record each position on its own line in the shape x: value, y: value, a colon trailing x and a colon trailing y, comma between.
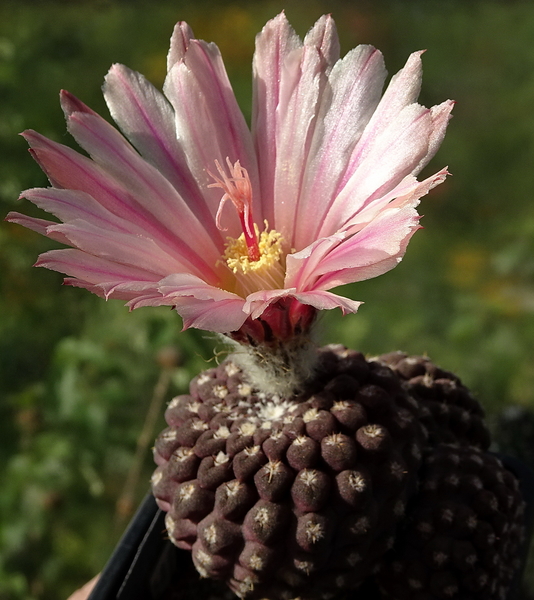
x: 447, y: 409
x: 289, y: 497
x: 373, y: 482
x: 463, y: 532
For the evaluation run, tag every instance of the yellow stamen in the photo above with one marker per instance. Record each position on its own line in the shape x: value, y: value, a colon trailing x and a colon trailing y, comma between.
x: 253, y: 275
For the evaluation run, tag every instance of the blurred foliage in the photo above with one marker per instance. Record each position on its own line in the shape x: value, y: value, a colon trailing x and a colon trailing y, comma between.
x: 77, y: 374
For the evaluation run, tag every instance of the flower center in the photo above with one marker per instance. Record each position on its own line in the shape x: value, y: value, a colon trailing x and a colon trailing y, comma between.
x: 255, y: 258
x: 267, y: 272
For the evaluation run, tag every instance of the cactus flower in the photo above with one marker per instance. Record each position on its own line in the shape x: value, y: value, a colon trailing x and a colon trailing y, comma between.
x: 188, y: 207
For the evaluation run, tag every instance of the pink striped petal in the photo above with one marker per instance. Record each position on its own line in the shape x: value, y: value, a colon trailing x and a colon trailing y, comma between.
x: 356, y: 85
x: 203, y: 306
x: 407, y: 193
x: 257, y: 302
x: 210, y: 124
x: 112, y: 152
x: 120, y: 247
x: 148, y: 299
x: 102, y: 277
x: 68, y: 169
x: 71, y: 104
x: 273, y: 44
x: 345, y: 258
x: 374, y: 250
x: 136, y: 298
x: 392, y: 155
x: 220, y: 316
x: 383, y: 237
x: 301, y: 266
x: 286, y: 89
x: 93, y: 269
x: 402, y: 91
x: 146, y: 118
x: 94, y: 289
x: 69, y: 205
x: 185, y: 284
x: 323, y: 300
x: 82, y: 211
x: 300, y: 88
x: 323, y: 36
x: 41, y: 226
x: 180, y: 40
x: 440, y: 115
x: 411, y: 195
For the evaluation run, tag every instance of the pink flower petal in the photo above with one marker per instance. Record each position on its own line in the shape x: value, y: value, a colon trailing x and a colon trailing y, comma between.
x: 440, y: 115
x: 82, y: 212
x: 94, y: 289
x: 286, y: 93
x: 185, y: 284
x: 356, y: 85
x: 391, y: 156
x: 300, y: 88
x: 71, y: 104
x: 109, y: 149
x: 411, y: 195
x: 209, y: 122
x: 180, y: 40
x: 69, y: 205
x: 323, y: 36
x: 402, y: 91
x: 137, y: 298
x: 93, y: 269
x: 323, y: 300
x: 273, y: 44
x: 220, y: 316
x: 301, y: 266
x: 345, y: 258
x: 66, y: 168
x: 149, y: 299
x: 123, y: 248
x: 203, y: 306
x: 407, y: 193
x: 147, y: 119
x: 374, y: 250
x: 257, y: 302
x: 38, y: 225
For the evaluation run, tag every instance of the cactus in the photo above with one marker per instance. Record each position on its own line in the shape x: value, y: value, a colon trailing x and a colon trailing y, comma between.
x: 289, y: 496
x: 346, y: 489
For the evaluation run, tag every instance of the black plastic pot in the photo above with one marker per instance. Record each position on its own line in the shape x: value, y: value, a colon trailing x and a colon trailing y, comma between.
x: 147, y: 566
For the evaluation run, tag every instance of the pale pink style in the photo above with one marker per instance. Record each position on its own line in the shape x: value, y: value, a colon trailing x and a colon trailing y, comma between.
x: 328, y: 172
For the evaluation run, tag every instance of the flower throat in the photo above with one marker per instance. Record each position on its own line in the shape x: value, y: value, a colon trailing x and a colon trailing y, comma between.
x: 255, y: 257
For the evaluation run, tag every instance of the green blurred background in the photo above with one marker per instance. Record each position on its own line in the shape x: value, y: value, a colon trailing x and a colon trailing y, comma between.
x: 80, y: 378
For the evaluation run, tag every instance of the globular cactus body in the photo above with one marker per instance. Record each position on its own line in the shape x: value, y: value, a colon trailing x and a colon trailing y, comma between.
x: 376, y: 472
x: 286, y: 497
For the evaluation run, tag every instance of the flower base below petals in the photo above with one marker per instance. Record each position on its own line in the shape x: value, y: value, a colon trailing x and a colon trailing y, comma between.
x: 276, y: 350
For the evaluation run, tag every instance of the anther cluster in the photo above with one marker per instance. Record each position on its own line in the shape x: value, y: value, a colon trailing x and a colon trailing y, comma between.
x: 463, y: 533
x: 290, y: 497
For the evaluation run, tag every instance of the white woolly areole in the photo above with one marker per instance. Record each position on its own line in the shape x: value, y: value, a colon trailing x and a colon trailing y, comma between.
x: 275, y: 409
x: 280, y: 368
x: 262, y: 410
